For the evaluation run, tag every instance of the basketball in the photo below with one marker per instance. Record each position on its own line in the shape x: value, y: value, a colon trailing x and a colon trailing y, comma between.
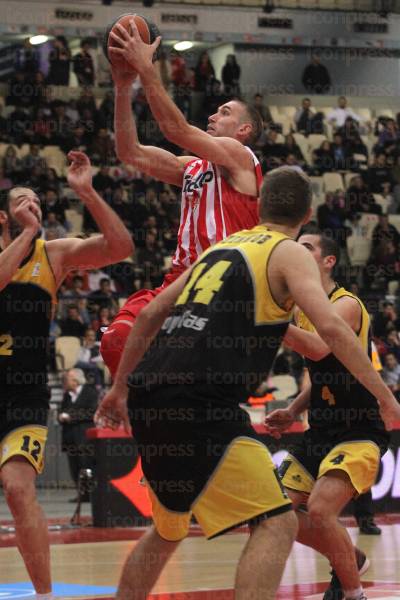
x: 147, y: 31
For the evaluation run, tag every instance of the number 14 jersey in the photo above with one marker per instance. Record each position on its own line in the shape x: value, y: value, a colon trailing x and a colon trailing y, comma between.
x: 225, y: 329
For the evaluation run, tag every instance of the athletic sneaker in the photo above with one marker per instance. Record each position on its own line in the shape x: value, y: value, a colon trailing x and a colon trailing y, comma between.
x: 335, y: 590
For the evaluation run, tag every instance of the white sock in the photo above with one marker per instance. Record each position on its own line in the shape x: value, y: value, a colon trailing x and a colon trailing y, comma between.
x: 48, y: 596
x: 356, y: 594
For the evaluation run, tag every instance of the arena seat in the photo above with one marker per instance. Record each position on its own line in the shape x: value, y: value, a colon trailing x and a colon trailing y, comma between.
x: 315, y: 140
x: 348, y: 177
x: 289, y: 111
x: 333, y: 182
x: 76, y: 220
x: 67, y: 350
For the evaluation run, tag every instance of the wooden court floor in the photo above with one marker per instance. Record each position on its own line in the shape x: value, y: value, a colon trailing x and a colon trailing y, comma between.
x: 86, y: 565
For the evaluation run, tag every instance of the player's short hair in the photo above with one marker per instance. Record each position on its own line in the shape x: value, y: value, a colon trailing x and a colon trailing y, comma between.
x: 254, y: 117
x: 329, y: 246
x: 285, y: 196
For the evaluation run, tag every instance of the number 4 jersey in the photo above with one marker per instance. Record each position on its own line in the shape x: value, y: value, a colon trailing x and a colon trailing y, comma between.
x: 25, y: 314
x: 338, y: 400
x: 225, y: 330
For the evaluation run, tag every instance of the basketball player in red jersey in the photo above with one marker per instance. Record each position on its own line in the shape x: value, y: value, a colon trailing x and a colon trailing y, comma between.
x: 219, y: 189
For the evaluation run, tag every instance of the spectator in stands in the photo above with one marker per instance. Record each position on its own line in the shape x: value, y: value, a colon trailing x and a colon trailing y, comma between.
x: 121, y: 207
x: 392, y: 343
x: 4, y: 129
x: 36, y: 90
x: 351, y: 138
x: 151, y: 260
x: 341, y: 157
x: 231, y: 77
x: 165, y: 70
x: 72, y: 296
x: 54, y: 227
x: 391, y: 374
x: 323, y: 157
x: 182, y: 81
x: 103, y: 297
x: 379, y: 174
x: 76, y: 140
x: 76, y: 416
x: 26, y: 59
x: 11, y: 164
x: 383, y: 265
x: 94, y: 278
x: 385, y: 231
x: 50, y: 181
x: 103, y: 182
x: 16, y: 90
x: 71, y: 111
x: 106, y: 111
x: 53, y: 203
x: 215, y: 97
x: 339, y: 115
x: 5, y: 182
x: 331, y: 217
x: 262, y: 109
x: 59, y: 61
x: 83, y: 65
x: 389, y: 134
x: 33, y: 159
x: 41, y: 128
x: 359, y: 199
x: 73, y: 323
x: 104, y: 79
x: 273, y: 151
x: 102, y: 149
x: 102, y: 319
x: 386, y: 320
x: 61, y: 123
x: 316, y: 78
x: 20, y: 124
x: 89, y: 359
x: 294, y: 148
x: 304, y: 117
x: 204, y: 72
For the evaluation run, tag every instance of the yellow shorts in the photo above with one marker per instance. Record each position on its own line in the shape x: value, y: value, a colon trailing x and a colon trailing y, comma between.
x: 28, y: 441
x: 244, y: 485
x: 359, y: 459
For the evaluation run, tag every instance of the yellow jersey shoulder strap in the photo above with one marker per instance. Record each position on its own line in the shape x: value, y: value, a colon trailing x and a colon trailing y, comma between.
x: 37, y: 270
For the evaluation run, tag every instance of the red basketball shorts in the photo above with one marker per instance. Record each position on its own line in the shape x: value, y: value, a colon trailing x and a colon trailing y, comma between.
x: 115, y: 336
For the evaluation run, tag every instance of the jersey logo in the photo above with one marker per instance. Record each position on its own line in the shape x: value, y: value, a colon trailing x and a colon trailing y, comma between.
x: 338, y: 459
x: 36, y: 270
x: 194, y: 184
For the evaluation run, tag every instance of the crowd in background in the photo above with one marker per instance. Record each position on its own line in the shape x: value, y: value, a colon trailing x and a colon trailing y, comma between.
x: 88, y: 301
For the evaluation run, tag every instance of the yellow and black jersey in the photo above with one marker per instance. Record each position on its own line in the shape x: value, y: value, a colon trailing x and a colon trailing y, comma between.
x: 338, y: 400
x: 225, y: 330
x: 25, y: 314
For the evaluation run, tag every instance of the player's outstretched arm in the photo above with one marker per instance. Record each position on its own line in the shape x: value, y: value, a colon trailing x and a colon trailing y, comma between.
x: 224, y: 151
x: 311, y: 345
x: 302, y: 277
x: 114, y: 242
x: 112, y: 410
x: 12, y: 256
x: 156, y: 162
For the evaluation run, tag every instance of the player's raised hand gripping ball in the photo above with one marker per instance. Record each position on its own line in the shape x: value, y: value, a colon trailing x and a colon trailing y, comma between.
x: 147, y: 31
